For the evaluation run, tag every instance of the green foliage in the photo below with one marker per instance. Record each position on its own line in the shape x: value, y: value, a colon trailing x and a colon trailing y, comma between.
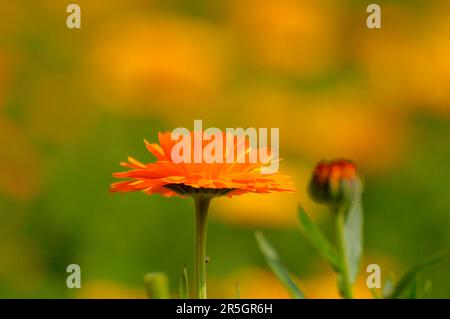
x: 184, y: 284
x: 388, y: 287
x: 318, y: 239
x: 237, y: 291
x: 349, y: 230
x: 353, y: 237
x: 426, y: 290
x: 406, y: 286
x: 277, y: 266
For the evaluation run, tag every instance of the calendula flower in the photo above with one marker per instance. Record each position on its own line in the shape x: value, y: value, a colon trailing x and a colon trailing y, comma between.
x: 335, y: 182
x: 338, y: 185
x: 169, y: 178
x: 200, y: 180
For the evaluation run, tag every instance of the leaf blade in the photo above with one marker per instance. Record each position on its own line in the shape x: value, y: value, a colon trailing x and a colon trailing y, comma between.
x: 388, y: 287
x: 184, y: 284
x: 237, y: 292
x: 353, y: 237
x: 410, y: 275
x: 277, y: 267
x: 318, y: 240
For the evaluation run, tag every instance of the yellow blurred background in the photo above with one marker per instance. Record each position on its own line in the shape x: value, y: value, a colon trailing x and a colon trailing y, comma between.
x: 76, y: 102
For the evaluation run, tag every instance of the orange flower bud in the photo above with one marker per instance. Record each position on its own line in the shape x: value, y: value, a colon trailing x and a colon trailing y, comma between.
x: 335, y: 183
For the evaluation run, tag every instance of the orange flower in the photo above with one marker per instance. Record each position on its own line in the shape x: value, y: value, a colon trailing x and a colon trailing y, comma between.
x: 169, y: 178
x: 230, y: 174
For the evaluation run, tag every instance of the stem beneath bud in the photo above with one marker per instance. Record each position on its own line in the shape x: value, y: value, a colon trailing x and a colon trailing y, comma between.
x: 344, y: 279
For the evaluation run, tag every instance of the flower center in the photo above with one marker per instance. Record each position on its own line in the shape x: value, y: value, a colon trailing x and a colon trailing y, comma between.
x: 183, y: 190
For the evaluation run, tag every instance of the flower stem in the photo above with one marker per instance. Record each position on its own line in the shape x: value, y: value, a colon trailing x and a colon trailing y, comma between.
x: 344, y: 280
x: 201, y: 210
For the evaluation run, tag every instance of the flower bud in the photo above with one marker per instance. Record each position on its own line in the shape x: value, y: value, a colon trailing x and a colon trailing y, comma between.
x: 335, y: 183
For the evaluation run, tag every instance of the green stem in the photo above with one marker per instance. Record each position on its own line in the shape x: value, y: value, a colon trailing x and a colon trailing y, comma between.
x: 201, y: 209
x: 344, y: 284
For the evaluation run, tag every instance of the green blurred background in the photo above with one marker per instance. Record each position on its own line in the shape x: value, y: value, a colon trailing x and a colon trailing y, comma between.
x: 74, y: 103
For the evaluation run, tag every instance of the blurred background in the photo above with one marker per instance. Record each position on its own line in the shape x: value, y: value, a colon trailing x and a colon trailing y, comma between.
x: 74, y: 103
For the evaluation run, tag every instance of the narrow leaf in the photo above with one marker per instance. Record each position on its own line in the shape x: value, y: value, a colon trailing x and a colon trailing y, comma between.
x: 411, y: 291
x: 353, y: 237
x: 277, y: 267
x: 238, y: 291
x: 409, y: 276
x: 157, y: 285
x: 388, y: 287
x: 184, y: 285
x: 318, y: 239
x: 426, y: 290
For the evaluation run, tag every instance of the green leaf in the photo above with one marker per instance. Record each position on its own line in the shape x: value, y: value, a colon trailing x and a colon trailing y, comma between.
x: 277, y: 267
x: 407, y: 280
x: 353, y: 239
x: 237, y: 291
x: 184, y: 285
x: 157, y: 285
x: 318, y: 239
x: 426, y: 290
x: 388, y: 287
x: 411, y: 291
